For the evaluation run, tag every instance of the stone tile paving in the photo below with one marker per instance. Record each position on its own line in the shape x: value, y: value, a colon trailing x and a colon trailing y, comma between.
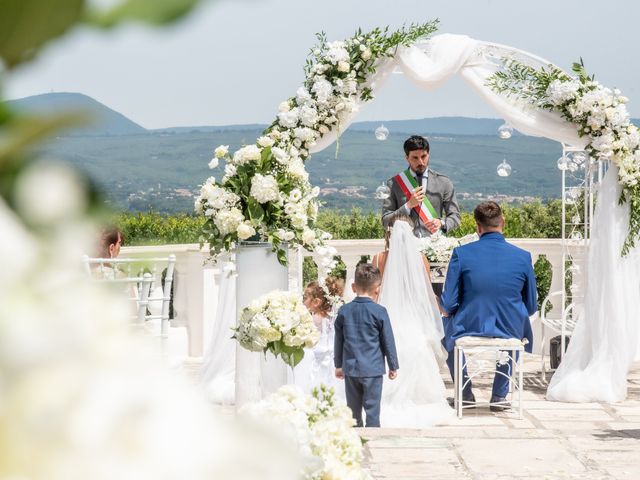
x: 552, y: 441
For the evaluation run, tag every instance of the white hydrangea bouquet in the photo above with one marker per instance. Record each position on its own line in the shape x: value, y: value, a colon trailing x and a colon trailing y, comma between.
x: 265, y: 192
x: 321, y: 429
x: 277, y: 322
x: 438, y: 248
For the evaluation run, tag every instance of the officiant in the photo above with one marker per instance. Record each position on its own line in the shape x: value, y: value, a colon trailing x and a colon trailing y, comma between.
x: 427, y: 196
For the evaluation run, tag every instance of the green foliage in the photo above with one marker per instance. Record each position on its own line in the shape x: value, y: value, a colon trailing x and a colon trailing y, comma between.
x: 155, y: 229
x: 543, y: 272
x: 353, y: 225
x: 156, y: 12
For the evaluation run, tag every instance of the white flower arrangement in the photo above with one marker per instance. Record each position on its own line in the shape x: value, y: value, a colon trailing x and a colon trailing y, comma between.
x: 597, y: 112
x: 321, y: 429
x: 277, y: 322
x: 438, y: 248
x: 260, y: 178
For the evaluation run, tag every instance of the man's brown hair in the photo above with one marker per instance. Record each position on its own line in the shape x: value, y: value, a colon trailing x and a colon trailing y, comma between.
x: 488, y: 214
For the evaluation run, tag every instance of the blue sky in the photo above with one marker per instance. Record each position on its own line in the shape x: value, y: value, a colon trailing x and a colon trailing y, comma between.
x: 233, y: 61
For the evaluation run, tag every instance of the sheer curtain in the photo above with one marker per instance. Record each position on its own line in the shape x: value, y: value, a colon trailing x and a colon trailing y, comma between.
x: 605, y: 341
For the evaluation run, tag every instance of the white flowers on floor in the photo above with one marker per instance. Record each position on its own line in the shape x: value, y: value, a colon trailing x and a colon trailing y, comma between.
x: 321, y: 429
x: 277, y: 322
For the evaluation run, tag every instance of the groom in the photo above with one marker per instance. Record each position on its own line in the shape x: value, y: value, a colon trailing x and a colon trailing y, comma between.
x: 490, y: 291
x: 421, y: 193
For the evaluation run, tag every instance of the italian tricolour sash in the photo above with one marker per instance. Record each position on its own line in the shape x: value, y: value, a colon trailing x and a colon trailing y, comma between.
x: 408, y: 183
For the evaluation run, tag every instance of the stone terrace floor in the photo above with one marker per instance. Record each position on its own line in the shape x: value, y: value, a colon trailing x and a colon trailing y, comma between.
x: 552, y: 441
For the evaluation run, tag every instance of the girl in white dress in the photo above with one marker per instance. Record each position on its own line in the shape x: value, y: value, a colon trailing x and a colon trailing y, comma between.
x: 317, y: 365
x: 417, y: 397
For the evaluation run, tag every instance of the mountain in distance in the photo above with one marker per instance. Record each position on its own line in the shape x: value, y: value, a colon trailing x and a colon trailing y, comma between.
x: 104, y: 121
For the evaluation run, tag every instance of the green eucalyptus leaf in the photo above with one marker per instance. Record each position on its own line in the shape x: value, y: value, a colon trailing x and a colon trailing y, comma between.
x: 156, y: 12
x: 26, y: 25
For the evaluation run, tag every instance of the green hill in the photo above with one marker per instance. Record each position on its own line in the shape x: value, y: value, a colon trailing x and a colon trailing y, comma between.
x: 104, y: 121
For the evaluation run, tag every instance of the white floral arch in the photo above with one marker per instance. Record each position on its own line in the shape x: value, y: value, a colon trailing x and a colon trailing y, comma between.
x: 265, y: 191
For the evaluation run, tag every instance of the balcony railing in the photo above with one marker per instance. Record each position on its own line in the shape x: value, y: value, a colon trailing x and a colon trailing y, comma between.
x: 196, y: 289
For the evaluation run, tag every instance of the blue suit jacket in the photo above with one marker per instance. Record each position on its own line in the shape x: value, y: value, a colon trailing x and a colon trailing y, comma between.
x: 489, y: 291
x: 363, y: 338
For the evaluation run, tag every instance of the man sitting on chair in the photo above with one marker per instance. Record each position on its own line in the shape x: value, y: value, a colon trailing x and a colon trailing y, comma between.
x: 489, y: 291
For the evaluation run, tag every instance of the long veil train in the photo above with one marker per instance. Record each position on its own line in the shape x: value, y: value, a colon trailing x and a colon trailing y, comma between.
x: 417, y: 397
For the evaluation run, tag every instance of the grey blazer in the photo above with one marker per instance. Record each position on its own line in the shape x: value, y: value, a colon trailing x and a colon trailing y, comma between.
x: 440, y: 193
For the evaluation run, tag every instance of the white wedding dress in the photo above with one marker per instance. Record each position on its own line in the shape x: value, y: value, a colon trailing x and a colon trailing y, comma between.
x: 417, y: 397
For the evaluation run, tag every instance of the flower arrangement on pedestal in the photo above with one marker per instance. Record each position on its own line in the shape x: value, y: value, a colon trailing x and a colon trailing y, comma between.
x: 265, y: 191
x: 277, y: 322
x: 598, y: 113
x: 321, y: 429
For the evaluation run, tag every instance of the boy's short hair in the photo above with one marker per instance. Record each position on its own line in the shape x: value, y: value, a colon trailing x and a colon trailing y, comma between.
x: 367, y: 277
x: 488, y: 214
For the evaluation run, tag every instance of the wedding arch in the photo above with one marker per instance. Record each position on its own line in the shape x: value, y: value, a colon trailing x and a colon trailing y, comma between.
x: 265, y: 192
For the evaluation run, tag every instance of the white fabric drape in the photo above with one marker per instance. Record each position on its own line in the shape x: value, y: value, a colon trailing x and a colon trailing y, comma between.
x: 218, y: 374
x: 433, y: 62
x: 605, y: 340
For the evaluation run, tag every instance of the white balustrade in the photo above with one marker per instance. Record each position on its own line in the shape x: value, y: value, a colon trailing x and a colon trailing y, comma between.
x: 197, y: 281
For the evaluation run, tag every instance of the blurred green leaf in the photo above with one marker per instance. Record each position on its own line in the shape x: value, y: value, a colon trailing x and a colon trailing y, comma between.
x: 156, y: 12
x: 26, y: 25
x: 20, y: 133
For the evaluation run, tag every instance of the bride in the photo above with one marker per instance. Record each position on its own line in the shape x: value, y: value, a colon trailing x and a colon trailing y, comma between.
x: 417, y: 397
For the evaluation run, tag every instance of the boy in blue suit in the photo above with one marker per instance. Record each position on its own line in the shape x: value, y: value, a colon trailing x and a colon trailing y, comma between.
x: 363, y: 338
x: 489, y: 291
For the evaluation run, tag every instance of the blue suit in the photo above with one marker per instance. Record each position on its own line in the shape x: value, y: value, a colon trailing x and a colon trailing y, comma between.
x: 363, y: 339
x: 489, y: 291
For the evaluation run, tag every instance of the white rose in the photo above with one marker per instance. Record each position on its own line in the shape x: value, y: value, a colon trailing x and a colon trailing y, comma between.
x: 230, y: 170
x: 221, y: 151
x: 213, y: 163
x: 323, y: 129
x: 343, y: 67
x: 284, y: 106
x: 289, y: 119
x: 308, y: 236
x: 280, y: 155
x: 245, y: 230
x: 303, y: 96
x: 247, y: 154
x: 265, y: 141
x: 366, y: 54
x: 308, y: 116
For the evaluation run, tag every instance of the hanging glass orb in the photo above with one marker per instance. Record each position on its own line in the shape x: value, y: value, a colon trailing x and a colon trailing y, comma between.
x: 382, y: 192
x: 576, y: 236
x: 572, y: 166
x: 505, y: 131
x: 579, y: 158
x: 504, y: 169
x: 575, y: 219
x: 574, y: 269
x: 574, y: 288
x: 382, y: 132
x: 568, y: 198
x: 563, y: 163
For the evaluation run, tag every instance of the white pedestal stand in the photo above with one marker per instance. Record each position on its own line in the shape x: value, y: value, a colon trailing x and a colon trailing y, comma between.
x: 259, y: 272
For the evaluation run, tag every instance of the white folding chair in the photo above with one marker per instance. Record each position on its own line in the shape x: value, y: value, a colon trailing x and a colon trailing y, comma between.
x: 152, y: 297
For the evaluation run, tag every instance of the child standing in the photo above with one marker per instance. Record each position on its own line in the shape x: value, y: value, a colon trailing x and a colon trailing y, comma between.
x: 363, y: 339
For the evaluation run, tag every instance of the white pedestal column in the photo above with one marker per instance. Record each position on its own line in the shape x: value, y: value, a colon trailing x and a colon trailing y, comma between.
x: 259, y: 272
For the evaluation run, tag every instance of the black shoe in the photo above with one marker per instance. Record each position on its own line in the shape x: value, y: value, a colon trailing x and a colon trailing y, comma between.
x: 466, y: 401
x: 499, y: 408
